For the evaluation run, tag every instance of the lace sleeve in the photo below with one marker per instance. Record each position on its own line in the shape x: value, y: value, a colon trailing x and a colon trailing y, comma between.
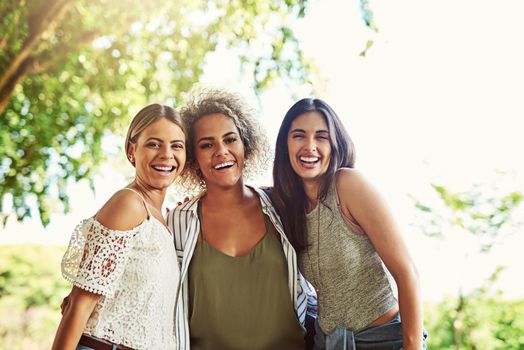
x: 96, y: 256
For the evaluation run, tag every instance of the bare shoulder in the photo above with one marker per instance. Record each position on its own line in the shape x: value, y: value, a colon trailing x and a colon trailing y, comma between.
x: 351, y: 181
x: 123, y: 211
x: 354, y: 188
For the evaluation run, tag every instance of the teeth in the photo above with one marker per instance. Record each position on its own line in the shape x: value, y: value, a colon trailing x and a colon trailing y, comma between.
x: 223, y: 165
x: 163, y: 168
x: 309, y: 159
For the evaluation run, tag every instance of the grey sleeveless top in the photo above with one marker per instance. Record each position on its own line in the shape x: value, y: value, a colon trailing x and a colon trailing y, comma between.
x: 352, y: 283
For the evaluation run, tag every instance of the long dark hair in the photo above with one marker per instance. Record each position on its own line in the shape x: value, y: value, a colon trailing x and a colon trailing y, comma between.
x: 288, y: 193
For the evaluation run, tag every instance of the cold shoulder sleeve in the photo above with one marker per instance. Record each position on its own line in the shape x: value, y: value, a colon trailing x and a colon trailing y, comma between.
x: 96, y: 256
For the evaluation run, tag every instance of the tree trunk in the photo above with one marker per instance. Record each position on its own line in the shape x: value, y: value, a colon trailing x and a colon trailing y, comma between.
x: 6, y: 92
x: 457, y: 323
x: 19, y: 64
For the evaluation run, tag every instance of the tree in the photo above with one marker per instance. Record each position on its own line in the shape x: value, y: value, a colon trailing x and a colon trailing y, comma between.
x: 488, y: 215
x: 73, y: 70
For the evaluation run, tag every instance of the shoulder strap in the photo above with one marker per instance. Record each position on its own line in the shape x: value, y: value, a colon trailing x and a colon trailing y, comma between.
x: 143, y: 200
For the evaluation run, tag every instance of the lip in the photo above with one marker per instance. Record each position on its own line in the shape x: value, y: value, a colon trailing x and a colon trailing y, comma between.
x: 309, y: 161
x: 164, y: 169
x: 225, y: 165
x: 309, y: 165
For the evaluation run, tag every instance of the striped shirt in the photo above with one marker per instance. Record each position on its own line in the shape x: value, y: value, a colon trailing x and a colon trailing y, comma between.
x: 185, y: 225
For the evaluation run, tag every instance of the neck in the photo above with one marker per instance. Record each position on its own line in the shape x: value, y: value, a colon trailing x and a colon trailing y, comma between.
x: 154, y: 196
x: 227, y: 196
x: 312, y: 191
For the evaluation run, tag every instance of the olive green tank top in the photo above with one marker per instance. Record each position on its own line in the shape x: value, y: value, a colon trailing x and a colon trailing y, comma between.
x: 242, y: 302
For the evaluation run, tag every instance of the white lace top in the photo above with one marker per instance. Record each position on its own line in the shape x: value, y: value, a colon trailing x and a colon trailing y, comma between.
x: 137, y: 274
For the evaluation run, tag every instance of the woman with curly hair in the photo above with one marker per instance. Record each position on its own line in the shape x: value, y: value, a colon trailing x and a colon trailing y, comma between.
x: 240, y: 287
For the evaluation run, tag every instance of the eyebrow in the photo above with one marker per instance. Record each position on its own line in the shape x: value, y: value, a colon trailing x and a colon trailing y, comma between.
x: 316, y: 132
x: 160, y: 140
x: 211, y: 138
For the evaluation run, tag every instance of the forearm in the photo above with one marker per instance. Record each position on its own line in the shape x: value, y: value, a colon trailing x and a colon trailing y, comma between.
x: 74, y: 319
x: 410, y: 305
x: 69, y: 331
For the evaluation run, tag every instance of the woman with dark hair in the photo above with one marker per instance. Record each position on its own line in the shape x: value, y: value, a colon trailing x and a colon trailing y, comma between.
x: 344, y: 234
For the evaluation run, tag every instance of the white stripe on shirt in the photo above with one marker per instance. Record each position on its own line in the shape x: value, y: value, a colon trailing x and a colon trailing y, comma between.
x: 185, y: 225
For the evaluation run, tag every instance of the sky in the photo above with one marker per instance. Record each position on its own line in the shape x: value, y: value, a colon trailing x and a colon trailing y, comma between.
x: 436, y: 99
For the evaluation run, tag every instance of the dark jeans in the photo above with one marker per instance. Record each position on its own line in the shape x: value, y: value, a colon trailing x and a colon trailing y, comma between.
x: 387, y: 336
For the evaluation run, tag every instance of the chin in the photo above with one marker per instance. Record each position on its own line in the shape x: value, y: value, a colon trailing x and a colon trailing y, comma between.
x: 163, y: 184
x: 229, y: 184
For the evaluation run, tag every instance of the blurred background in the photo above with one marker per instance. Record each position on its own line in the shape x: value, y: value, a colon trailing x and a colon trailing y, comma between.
x: 431, y: 93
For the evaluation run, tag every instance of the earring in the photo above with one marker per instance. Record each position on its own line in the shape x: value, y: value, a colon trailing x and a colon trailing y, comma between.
x: 131, y: 159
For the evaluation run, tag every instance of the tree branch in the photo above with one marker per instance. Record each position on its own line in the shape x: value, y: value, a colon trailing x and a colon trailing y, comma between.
x: 38, y: 24
x: 9, y: 87
x: 43, y: 62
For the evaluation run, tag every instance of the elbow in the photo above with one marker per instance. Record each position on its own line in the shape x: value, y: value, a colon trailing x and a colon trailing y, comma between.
x: 81, y: 301
x: 408, y: 275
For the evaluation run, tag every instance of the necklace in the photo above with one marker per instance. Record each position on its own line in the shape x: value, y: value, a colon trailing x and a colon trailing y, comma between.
x: 318, y: 282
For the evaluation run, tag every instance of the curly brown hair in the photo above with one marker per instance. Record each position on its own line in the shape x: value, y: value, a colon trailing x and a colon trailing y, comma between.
x: 204, y: 102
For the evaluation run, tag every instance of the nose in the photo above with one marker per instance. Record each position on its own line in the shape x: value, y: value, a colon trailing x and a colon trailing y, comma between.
x: 311, y: 144
x: 221, y: 149
x: 165, y: 152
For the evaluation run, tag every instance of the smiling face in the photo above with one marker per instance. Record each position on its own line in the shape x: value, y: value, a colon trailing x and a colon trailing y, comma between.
x: 159, y: 154
x: 219, y: 151
x: 309, y: 147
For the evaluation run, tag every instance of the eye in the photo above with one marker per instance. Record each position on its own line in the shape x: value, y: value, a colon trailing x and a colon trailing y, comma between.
x: 153, y: 145
x: 230, y: 139
x: 177, y: 145
x: 205, y: 145
x: 297, y: 135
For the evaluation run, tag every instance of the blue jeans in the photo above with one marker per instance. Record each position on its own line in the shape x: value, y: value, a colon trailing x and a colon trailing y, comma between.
x: 387, y: 336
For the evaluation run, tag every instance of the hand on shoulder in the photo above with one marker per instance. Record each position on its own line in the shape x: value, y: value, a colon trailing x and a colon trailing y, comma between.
x: 123, y: 211
x: 186, y: 199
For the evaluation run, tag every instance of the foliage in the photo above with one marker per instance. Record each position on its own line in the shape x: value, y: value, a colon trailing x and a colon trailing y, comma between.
x: 477, y: 319
x: 487, y: 322
x: 31, y: 290
x: 481, y: 212
x: 72, y: 71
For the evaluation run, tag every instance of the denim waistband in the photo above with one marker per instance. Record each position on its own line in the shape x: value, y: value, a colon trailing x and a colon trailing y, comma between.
x: 384, y: 336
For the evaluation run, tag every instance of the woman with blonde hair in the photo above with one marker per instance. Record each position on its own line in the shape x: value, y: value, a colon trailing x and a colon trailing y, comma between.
x: 122, y: 261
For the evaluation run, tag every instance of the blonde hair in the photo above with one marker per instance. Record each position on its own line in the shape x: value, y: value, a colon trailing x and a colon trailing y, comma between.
x: 205, y: 102
x: 147, y: 116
